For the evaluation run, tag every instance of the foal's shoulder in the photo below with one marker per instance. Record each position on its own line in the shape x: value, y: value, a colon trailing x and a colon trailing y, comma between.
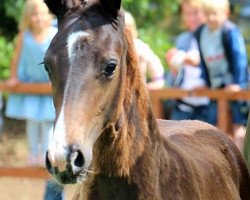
x: 184, y: 127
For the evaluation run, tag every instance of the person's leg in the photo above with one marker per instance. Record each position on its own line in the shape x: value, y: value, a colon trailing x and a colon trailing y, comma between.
x: 53, y: 191
x: 239, y: 135
x: 32, y: 131
x: 168, y: 107
x: 212, y: 113
x: 239, y: 121
x: 178, y: 114
x: 201, y: 113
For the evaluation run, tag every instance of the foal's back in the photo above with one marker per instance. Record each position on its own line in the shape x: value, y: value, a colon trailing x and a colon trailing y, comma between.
x: 211, y: 161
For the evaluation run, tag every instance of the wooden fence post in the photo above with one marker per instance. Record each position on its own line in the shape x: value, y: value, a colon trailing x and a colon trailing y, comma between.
x: 222, y: 115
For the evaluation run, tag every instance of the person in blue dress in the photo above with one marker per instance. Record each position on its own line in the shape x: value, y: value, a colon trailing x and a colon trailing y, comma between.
x: 35, y: 34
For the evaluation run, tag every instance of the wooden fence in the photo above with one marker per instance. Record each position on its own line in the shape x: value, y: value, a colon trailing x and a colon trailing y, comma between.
x: 221, y: 96
x: 24, y: 172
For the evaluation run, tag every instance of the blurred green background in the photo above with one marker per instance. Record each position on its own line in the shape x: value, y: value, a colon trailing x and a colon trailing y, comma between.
x: 152, y: 18
x: 158, y: 23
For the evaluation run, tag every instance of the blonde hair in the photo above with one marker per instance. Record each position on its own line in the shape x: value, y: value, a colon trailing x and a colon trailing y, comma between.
x: 215, y: 5
x: 193, y: 3
x: 130, y: 23
x: 28, y: 9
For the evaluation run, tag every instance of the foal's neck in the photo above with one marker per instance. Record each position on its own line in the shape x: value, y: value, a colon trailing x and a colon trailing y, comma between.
x: 115, y: 188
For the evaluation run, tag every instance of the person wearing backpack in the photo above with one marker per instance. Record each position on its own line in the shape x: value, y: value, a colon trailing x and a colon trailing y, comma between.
x: 223, y: 61
x: 184, y: 64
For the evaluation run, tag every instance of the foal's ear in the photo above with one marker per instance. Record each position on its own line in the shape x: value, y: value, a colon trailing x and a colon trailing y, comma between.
x: 57, y: 7
x: 112, y: 6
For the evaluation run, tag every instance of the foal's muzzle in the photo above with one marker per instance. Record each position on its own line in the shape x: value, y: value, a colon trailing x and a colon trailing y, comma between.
x: 72, y: 161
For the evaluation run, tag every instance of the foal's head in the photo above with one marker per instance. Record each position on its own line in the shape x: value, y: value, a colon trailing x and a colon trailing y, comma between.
x: 86, y: 63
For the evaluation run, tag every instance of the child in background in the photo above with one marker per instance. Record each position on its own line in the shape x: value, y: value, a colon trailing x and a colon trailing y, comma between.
x: 35, y: 35
x: 224, y: 61
x: 33, y: 40
x: 150, y: 64
x: 184, y: 63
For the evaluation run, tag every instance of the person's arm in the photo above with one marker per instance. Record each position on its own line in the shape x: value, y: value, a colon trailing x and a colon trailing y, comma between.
x: 154, y: 69
x: 238, y: 59
x: 13, y: 80
x: 168, y: 57
x: 185, y: 53
x: 192, y: 57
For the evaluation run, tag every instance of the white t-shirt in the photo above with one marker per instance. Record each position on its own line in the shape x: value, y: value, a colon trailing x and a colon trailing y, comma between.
x: 192, y: 79
x: 150, y: 65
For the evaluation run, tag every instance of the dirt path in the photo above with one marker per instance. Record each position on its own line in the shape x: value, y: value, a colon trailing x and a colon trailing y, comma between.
x: 14, y: 152
x: 26, y: 189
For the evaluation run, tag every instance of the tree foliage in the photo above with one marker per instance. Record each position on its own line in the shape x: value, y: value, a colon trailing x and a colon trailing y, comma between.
x: 10, y: 12
x: 6, y: 50
x: 151, y: 18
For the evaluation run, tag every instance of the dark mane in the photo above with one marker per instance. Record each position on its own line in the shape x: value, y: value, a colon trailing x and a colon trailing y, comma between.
x: 136, y: 104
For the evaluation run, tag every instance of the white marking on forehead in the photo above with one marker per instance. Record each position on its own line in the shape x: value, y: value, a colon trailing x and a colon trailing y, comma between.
x: 72, y: 38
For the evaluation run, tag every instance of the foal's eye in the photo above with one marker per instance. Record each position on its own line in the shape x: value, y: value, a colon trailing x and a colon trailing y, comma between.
x: 109, y: 69
x: 47, y: 68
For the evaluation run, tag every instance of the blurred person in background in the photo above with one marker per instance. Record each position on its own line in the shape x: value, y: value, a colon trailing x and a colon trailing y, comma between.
x: 184, y: 63
x: 35, y: 35
x: 150, y: 64
x: 224, y: 61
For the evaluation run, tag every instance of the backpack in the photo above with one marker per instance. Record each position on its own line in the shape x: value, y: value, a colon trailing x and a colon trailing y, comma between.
x: 225, y: 42
x: 228, y: 26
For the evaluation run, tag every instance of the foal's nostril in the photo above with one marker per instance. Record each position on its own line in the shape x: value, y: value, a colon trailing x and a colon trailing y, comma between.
x: 77, y: 161
x: 48, y: 164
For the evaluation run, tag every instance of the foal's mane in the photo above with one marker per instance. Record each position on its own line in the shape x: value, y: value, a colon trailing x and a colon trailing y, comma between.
x: 135, y: 84
x: 135, y: 111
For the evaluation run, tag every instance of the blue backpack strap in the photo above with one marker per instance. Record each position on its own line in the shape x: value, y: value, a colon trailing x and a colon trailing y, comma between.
x: 197, y: 35
x: 225, y: 42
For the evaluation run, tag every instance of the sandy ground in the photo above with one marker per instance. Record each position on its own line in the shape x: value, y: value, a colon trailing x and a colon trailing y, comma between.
x: 26, y: 189
x: 14, y: 152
